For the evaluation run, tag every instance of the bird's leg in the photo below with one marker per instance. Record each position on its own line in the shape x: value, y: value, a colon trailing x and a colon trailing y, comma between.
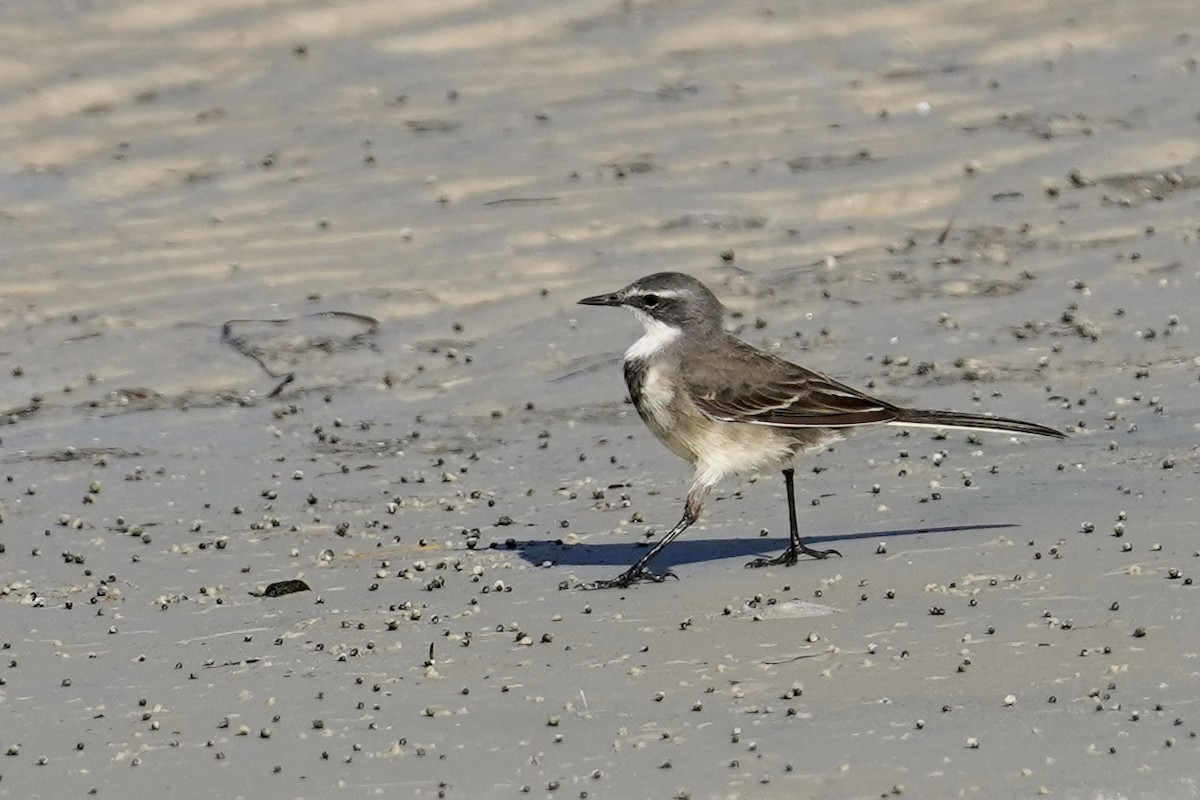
x: 639, y: 572
x: 795, y: 546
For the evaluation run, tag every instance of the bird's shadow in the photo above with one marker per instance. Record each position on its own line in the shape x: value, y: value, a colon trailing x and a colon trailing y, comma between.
x: 684, y: 551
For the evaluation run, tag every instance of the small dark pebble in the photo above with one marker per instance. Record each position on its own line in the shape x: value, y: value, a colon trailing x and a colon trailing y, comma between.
x: 280, y: 588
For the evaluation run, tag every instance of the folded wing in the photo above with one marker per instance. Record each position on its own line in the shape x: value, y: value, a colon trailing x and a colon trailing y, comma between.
x: 765, y: 390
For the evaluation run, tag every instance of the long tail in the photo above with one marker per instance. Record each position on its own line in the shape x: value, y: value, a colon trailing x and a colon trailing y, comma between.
x: 917, y: 418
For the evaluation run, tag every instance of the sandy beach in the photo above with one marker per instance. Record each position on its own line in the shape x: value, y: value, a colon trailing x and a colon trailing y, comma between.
x: 289, y: 293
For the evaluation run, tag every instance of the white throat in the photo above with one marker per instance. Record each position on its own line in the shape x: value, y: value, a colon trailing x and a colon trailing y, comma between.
x: 658, y: 336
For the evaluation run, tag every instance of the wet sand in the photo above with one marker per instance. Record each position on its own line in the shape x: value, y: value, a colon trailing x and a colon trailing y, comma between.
x: 984, y: 207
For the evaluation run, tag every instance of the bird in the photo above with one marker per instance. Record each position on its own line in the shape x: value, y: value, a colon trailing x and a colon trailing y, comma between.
x: 731, y: 409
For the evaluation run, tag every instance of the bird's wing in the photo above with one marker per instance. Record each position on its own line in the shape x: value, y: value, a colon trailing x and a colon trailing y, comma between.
x: 758, y: 388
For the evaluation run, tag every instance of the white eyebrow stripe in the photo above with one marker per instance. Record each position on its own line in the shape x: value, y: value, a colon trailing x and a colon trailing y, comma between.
x: 640, y: 292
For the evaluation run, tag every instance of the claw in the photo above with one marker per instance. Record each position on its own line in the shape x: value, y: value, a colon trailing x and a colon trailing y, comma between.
x: 787, y: 559
x: 628, y: 578
x: 791, y: 556
x: 819, y: 554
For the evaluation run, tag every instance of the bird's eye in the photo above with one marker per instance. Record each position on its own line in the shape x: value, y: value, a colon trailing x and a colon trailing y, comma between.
x: 650, y: 300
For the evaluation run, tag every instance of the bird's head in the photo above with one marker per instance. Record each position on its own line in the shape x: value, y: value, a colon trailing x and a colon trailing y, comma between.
x: 672, y: 299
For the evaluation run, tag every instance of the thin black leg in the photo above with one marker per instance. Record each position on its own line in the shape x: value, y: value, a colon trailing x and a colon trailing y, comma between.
x: 639, y: 572
x: 796, y: 546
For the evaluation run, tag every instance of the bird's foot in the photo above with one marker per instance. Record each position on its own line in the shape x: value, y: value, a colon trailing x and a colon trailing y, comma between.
x: 628, y: 578
x: 790, y: 556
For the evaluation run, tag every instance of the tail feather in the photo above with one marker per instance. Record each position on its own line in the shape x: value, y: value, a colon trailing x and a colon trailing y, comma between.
x: 914, y: 417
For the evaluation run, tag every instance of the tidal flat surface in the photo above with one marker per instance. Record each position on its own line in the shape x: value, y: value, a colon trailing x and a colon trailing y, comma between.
x: 287, y: 292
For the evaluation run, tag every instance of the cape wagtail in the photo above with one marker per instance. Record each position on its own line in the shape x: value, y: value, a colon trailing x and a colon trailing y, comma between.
x: 731, y: 409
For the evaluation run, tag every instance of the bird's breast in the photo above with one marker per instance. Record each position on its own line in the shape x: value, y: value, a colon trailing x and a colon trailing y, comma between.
x: 655, y: 395
x: 652, y: 391
x: 722, y: 448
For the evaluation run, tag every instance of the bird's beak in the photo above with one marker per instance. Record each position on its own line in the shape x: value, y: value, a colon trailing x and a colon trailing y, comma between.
x: 610, y: 299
